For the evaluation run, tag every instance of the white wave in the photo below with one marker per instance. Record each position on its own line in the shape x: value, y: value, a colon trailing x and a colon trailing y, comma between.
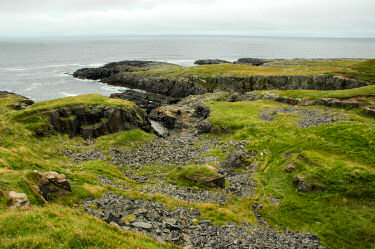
x: 12, y: 69
x: 106, y: 87
x: 96, y: 65
x: 68, y: 94
x: 181, y: 62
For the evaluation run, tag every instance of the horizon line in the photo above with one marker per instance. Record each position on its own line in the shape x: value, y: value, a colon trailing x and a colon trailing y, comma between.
x: 171, y: 35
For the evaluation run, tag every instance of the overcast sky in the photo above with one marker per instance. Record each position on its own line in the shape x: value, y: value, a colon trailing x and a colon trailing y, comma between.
x: 327, y: 18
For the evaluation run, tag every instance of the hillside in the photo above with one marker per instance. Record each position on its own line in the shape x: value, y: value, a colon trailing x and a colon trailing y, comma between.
x: 269, y: 168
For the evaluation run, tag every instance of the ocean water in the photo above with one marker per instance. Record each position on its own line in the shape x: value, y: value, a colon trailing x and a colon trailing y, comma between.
x: 39, y: 68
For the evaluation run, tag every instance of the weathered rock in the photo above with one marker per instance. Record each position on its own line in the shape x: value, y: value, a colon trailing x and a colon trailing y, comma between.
x: 146, y: 101
x: 22, y: 103
x: 177, y: 226
x: 287, y: 100
x: 95, y: 121
x: 210, y: 61
x: 251, y: 61
x: 339, y: 103
x: 202, y: 111
x: 215, y: 181
x: 290, y: 167
x: 18, y: 200
x: 52, y: 185
x: 142, y: 225
x: 306, y: 186
x: 187, y: 194
x: 186, y: 114
x: 370, y: 110
x: 234, y: 97
x: 205, y: 126
x: 235, y: 159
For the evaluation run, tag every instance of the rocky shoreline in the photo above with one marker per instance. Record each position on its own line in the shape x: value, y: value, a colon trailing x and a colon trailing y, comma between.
x: 139, y: 75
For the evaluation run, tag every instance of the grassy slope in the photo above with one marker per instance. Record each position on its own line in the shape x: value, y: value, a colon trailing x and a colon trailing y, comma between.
x: 57, y: 225
x: 339, y: 156
x: 343, y: 162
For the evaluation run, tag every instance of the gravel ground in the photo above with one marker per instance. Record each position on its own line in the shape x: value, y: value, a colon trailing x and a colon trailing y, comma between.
x: 176, y: 150
x: 85, y: 155
x: 180, y: 226
x: 308, y: 117
x: 186, y: 194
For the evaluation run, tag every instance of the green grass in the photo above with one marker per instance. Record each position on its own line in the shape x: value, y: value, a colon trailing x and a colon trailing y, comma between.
x: 35, y: 117
x: 339, y: 157
x: 368, y: 91
x: 364, y: 71
x: 55, y: 226
x: 282, y: 67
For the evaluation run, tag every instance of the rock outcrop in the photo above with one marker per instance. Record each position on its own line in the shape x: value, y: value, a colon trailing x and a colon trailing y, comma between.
x: 251, y: 61
x: 210, y: 62
x: 189, y: 113
x: 22, y: 102
x: 146, y: 101
x: 52, y: 185
x: 95, y: 121
x: 370, y: 110
x: 18, y: 200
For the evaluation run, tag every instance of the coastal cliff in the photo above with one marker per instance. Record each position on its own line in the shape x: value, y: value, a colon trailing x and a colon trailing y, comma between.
x: 176, y: 81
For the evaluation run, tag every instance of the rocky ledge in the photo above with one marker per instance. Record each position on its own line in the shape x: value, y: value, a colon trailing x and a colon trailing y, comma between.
x: 95, y: 121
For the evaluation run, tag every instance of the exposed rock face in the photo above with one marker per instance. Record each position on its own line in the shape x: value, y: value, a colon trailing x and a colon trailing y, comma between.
x: 95, y: 121
x: 116, y: 67
x: 251, y: 61
x: 146, y: 101
x: 52, y: 185
x: 18, y: 199
x: 304, y: 185
x: 210, y: 62
x: 339, y: 103
x: 236, y: 159
x: 183, y: 86
x: 370, y: 110
x: 189, y: 113
x: 215, y: 180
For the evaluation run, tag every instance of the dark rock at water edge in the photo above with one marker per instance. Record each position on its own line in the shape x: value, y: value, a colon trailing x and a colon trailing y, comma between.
x: 251, y: 61
x: 95, y: 121
x: 114, y: 68
x: 22, y: 103
x: 120, y: 73
x: 210, y: 62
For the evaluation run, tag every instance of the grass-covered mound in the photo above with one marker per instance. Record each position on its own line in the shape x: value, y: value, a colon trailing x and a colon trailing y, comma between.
x: 195, y: 175
x: 36, y: 117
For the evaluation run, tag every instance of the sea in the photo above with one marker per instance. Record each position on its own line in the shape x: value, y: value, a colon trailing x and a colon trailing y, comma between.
x: 41, y: 69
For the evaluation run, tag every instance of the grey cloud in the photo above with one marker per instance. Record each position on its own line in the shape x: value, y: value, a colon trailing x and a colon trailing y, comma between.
x: 235, y: 17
